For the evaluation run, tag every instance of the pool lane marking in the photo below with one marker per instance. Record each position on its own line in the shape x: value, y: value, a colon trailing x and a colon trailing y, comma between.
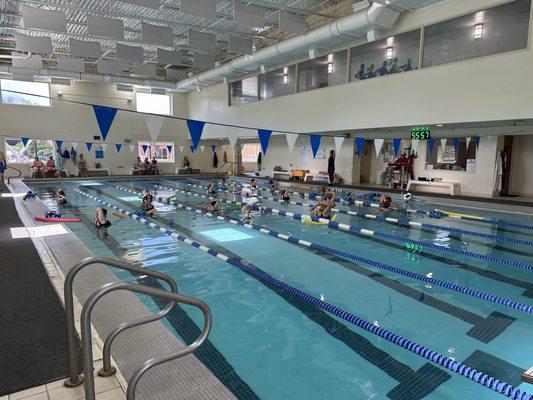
x: 433, y: 356
x: 367, y: 232
x: 403, y: 222
x: 292, y: 239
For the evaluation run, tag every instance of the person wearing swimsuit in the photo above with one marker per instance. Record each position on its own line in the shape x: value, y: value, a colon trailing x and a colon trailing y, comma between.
x: 100, y: 218
x: 211, y: 206
x: 285, y: 195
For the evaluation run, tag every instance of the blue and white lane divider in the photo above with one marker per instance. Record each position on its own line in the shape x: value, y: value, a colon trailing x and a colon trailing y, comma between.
x: 367, y: 232
x: 292, y: 239
x: 404, y: 222
x: 433, y: 356
x: 502, y: 223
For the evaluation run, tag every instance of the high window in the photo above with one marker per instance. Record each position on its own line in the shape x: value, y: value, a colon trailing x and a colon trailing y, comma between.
x: 25, y: 93
x: 162, y: 151
x: 153, y: 103
x: 17, y: 153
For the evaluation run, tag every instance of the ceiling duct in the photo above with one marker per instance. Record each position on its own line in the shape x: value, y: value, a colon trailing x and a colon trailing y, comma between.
x: 342, y: 30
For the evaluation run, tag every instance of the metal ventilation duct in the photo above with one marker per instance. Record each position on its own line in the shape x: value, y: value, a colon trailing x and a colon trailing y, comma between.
x: 374, y: 17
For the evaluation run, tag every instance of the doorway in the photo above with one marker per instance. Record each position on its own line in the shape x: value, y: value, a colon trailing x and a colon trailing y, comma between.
x: 366, y: 162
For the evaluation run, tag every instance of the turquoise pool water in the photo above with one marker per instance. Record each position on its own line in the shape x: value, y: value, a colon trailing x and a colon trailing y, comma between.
x: 266, y: 344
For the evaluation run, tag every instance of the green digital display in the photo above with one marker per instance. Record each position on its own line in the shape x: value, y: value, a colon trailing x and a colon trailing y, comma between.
x: 420, y: 133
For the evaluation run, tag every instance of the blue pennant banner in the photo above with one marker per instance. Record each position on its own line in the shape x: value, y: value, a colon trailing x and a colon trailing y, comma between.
x: 477, y: 139
x: 213, y: 147
x: 431, y: 145
x: 169, y: 148
x: 196, y: 129
x: 118, y: 146
x: 59, y: 143
x: 144, y: 147
x: 396, y: 144
x: 88, y: 145
x: 359, y: 144
x: 264, y: 138
x: 192, y: 148
x: 105, y: 117
x: 25, y: 141
x: 455, y: 142
x: 315, y: 143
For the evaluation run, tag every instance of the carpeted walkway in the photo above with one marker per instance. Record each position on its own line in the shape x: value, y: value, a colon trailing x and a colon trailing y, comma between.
x: 32, y: 327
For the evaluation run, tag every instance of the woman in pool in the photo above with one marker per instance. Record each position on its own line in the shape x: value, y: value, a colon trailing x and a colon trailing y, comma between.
x: 100, y: 218
x: 323, y: 208
x: 61, y: 197
x: 211, y: 191
x: 211, y: 206
x: 385, y: 203
x: 284, y: 195
x: 146, y: 204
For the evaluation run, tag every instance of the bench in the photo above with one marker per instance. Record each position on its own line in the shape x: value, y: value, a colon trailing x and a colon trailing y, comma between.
x: 281, y: 175
x: 316, y: 178
x: 451, y: 188
x: 188, y: 171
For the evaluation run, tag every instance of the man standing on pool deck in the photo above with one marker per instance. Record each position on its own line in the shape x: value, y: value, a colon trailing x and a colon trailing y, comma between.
x: 331, y: 167
x: 82, y: 166
x: 3, y: 166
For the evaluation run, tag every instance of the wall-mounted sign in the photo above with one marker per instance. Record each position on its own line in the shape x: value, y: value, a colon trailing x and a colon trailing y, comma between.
x: 420, y: 133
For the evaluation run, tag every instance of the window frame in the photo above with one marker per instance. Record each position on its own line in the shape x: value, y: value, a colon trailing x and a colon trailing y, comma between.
x: 159, y: 144
x: 32, y: 143
x: 46, y: 99
x: 248, y: 159
x: 170, y: 105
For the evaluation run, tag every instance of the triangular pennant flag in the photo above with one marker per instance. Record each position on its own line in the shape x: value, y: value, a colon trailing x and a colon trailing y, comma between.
x: 359, y: 144
x: 154, y: 124
x: 264, y: 138
x: 59, y: 143
x: 443, y: 144
x: 132, y: 148
x: 25, y: 141
x: 338, y: 144
x: 414, y: 144
x: 431, y: 145
x: 118, y: 146
x: 378, y: 144
x: 455, y: 142
x: 170, y: 147
x: 396, y: 144
x: 88, y: 145
x: 181, y: 148
x: 315, y: 143
x: 195, y: 130
x: 477, y: 139
x: 104, y: 146
x: 144, y: 147
x: 213, y: 147
x: 291, y: 141
x: 202, y: 148
x: 192, y: 148
x: 233, y: 136
x: 104, y: 117
x: 468, y: 139
x: 74, y: 145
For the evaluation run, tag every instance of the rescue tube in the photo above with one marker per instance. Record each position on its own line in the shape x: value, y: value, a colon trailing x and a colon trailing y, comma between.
x: 43, y: 219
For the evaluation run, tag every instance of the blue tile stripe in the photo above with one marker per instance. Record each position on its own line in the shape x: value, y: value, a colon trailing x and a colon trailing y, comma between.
x: 437, y: 282
x: 500, y: 223
x: 404, y: 222
x: 367, y: 232
x: 433, y: 356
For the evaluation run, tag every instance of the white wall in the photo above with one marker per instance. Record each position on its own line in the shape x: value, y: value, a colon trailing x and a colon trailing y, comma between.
x: 522, y: 166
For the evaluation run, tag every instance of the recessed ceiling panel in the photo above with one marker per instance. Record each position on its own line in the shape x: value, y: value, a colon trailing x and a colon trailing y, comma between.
x: 145, y: 3
x: 82, y: 48
x: 157, y: 34
x: 130, y: 53
x: 240, y: 45
x: 203, y: 61
x: 34, y: 62
x: 202, y: 40
x: 70, y: 64
x: 48, y: 20
x: 176, y: 74
x: 144, y: 69
x: 292, y: 23
x: 248, y: 15
x: 110, y: 67
x: 34, y: 44
x: 200, y: 8
x: 168, y: 57
x: 106, y: 27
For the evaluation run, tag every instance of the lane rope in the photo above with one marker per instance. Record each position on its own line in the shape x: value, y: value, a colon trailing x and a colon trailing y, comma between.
x: 367, y: 232
x: 377, y: 264
x: 403, y: 222
x: 454, y: 366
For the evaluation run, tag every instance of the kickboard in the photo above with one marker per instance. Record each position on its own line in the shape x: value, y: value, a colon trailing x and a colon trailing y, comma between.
x: 309, y: 221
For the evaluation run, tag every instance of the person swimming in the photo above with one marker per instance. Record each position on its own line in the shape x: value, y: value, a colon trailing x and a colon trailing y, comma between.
x: 253, y: 183
x: 211, y: 191
x: 323, y: 208
x: 61, y: 197
x: 284, y: 195
x: 407, y: 201
x: 100, y: 218
x: 385, y: 203
x: 146, y: 204
x: 211, y: 206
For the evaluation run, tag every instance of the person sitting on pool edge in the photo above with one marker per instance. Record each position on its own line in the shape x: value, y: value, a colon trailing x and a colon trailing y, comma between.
x: 100, y: 218
x: 385, y: 203
x: 212, y: 205
x: 146, y: 204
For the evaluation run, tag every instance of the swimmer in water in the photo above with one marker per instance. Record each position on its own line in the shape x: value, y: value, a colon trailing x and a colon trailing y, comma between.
x: 328, y: 198
x: 146, y: 204
x: 211, y: 191
x: 407, y: 201
x: 61, y: 197
x: 253, y: 183
x: 211, y: 206
x: 385, y: 203
x: 323, y: 208
x: 249, y: 206
x: 100, y: 218
x: 284, y: 195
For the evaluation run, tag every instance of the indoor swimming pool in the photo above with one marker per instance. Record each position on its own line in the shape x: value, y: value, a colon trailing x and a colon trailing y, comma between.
x: 297, y: 306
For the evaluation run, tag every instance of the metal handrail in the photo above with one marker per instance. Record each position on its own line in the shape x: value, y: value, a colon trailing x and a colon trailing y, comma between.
x: 16, y: 169
x: 223, y: 165
x: 107, y: 370
x: 136, y: 376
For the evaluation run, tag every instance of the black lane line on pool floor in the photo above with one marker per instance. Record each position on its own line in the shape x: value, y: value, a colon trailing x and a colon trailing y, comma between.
x: 484, y: 329
x: 528, y: 286
x: 413, y: 385
x: 458, y: 237
x: 179, y: 320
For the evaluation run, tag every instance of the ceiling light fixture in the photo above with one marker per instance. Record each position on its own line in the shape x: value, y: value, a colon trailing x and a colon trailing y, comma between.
x: 389, y: 53
x: 330, y: 68
x: 285, y: 79
x: 478, y: 31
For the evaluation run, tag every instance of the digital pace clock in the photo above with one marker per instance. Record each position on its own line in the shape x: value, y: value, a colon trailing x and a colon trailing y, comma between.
x: 420, y: 133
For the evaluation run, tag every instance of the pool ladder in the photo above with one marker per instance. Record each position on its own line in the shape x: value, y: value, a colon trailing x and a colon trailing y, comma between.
x: 107, y: 370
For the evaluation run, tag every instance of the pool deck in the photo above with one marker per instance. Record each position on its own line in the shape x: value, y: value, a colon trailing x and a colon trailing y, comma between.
x: 185, y: 378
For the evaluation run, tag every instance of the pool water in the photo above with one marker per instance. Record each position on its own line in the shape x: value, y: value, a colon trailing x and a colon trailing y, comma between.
x: 267, y: 344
